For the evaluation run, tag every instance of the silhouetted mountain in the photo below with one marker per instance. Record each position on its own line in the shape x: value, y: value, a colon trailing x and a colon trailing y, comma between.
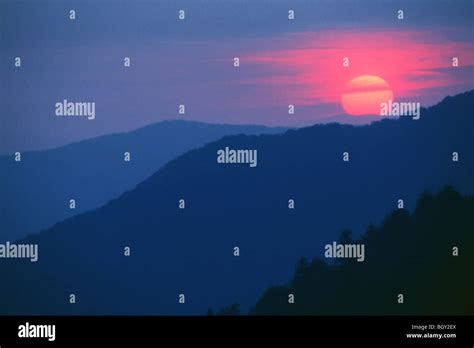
x: 348, y: 119
x: 92, y: 172
x: 191, y: 251
x: 409, y: 255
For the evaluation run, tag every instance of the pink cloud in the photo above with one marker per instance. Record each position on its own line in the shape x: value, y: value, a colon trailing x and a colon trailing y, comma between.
x: 307, y: 68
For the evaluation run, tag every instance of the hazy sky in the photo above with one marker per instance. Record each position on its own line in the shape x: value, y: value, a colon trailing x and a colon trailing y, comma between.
x: 190, y: 61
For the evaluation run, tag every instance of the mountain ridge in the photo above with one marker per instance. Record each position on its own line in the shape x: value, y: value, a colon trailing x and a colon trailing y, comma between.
x: 93, y: 171
x: 190, y: 251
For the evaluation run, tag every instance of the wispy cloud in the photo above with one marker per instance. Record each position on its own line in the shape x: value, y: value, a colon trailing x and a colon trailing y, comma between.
x: 307, y: 68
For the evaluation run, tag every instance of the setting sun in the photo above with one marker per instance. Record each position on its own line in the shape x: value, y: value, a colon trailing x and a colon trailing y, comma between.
x: 363, y: 95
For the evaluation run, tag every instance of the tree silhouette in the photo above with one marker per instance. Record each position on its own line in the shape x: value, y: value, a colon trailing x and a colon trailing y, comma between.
x: 233, y: 309
x: 408, y: 254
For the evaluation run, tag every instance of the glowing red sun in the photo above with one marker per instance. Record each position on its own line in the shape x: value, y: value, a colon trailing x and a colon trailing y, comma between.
x: 363, y: 95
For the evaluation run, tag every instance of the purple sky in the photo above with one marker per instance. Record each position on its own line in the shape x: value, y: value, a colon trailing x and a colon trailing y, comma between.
x: 190, y: 62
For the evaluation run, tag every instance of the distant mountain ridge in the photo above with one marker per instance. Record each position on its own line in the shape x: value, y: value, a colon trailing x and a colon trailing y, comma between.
x: 191, y: 251
x: 93, y: 171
